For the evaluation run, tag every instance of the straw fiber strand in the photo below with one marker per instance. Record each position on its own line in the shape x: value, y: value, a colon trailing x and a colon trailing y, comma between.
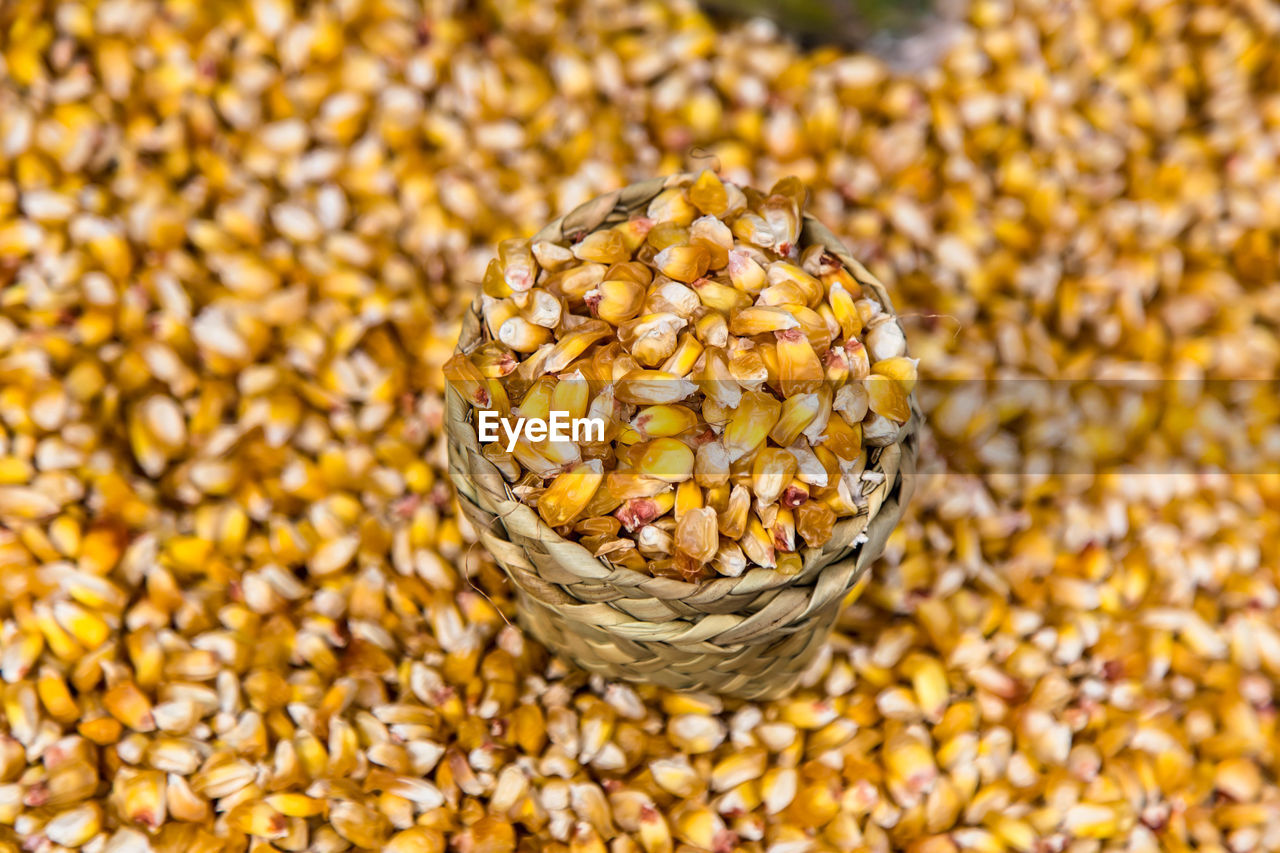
x: 750, y: 636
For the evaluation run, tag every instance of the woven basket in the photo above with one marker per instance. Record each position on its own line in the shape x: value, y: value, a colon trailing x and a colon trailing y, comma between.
x: 750, y: 636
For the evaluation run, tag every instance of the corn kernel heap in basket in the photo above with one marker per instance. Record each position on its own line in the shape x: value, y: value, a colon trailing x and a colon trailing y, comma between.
x: 741, y: 376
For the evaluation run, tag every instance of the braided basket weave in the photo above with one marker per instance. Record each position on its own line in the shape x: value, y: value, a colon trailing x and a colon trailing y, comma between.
x: 750, y: 636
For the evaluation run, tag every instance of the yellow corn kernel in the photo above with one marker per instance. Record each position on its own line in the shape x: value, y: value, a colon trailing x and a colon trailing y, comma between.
x: 416, y: 839
x: 716, y: 381
x: 616, y: 300
x: 664, y: 235
x: 635, y: 271
x: 708, y: 194
x: 699, y: 826
x: 886, y: 397
x: 570, y: 492
x: 654, y: 833
x: 540, y: 307
x: 523, y: 336
x: 757, y: 544
x: 76, y: 826
x: 664, y: 421
x: 536, y: 403
x: 20, y: 655
x: 493, y: 283
x: 798, y: 412
x: 667, y: 459
x: 651, y: 338
x: 550, y: 256
x: 688, y: 495
x: 475, y: 388
x: 814, y: 522
x: 575, y: 283
x: 858, y: 360
x: 89, y: 629
x: 712, y: 329
x: 799, y: 369
x: 696, y: 534
x: 751, y: 228
x: 56, y: 638
x: 760, y: 320
x: 497, y: 312
x: 258, y: 819
x: 901, y: 369
x: 732, y: 520
x: 778, y: 786
x: 100, y: 730
x: 771, y: 471
x: 909, y: 765
x: 784, y: 530
x: 571, y: 396
x: 721, y: 297
x: 296, y: 805
x: 811, y: 289
x: 639, y: 511
x: 745, y: 274
x: 362, y: 826
x: 711, y: 465
x: 729, y: 559
x: 672, y: 205
x: 602, y: 247
x: 845, y: 312
x: 714, y: 236
x: 130, y: 706
x: 518, y: 267
x: 688, y: 350
x: 841, y: 439
x: 683, y: 263
x: 143, y: 798
x: 633, y: 232
x: 653, y: 387
x: 750, y: 423
x: 56, y: 696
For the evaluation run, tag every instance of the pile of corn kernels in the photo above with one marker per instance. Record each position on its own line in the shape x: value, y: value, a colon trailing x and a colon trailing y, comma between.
x: 238, y: 610
x: 726, y: 371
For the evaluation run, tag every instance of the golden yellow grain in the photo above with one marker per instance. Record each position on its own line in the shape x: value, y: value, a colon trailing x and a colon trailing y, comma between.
x: 240, y: 611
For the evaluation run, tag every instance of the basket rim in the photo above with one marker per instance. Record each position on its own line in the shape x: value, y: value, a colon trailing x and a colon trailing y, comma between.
x: 607, y: 210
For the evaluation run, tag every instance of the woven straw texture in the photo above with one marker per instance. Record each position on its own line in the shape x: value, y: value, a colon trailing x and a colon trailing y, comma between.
x: 750, y: 636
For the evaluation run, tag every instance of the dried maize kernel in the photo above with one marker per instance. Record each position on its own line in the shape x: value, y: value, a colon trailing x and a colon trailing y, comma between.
x: 724, y: 358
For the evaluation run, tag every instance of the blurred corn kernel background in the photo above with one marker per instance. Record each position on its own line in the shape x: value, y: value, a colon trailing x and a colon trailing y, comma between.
x: 881, y: 25
x: 238, y: 610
